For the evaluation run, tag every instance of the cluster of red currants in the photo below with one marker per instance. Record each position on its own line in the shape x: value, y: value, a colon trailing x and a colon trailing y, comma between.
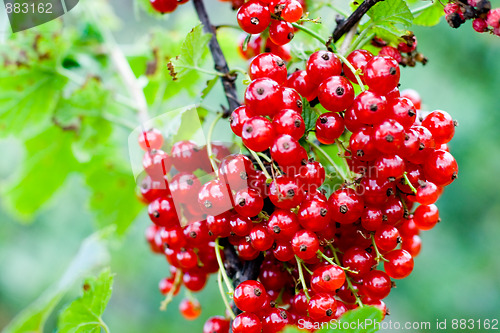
x: 277, y: 16
x: 484, y: 18
x: 405, y: 52
x: 321, y: 246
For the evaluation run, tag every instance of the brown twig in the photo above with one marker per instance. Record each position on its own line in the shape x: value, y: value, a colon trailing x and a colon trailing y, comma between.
x: 349, y: 22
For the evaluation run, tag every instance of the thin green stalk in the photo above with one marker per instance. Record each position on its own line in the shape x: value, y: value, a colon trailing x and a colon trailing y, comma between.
x: 310, y: 33
x: 257, y: 158
x: 301, y: 277
x: 353, y: 70
x: 340, y: 147
x: 330, y: 261
x: 223, y: 295
x: 329, y: 159
x: 407, y: 181
x: 347, y: 278
x: 379, y: 255
x: 222, y: 270
x: 209, y: 142
x: 170, y: 294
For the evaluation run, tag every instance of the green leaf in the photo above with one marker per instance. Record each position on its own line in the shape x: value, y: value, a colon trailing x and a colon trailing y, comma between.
x: 85, y: 313
x: 210, y: 85
x: 92, y: 255
x: 364, y: 320
x: 430, y: 16
x: 48, y: 162
x: 112, y: 188
x: 193, y: 50
x: 389, y: 18
x: 309, y: 115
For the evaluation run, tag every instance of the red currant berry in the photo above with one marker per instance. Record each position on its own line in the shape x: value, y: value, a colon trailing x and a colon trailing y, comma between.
x: 257, y: 133
x: 283, y: 224
x: 312, y: 176
x: 441, y: 125
x: 322, y: 306
x: 292, y: 11
x: 359, y: 260
x: 195, y: 280
x: 426, y: 216
x: 387, y: 237
x: 287, y: 151
x: 413, y: 96
x: 305, y: 244
x: 291, y: 100
x: 427, y: 193
x: 250, y: 296
x: 253, y: 17
x: 358, y: 59
x: 285, y: 192
x: 248, y: 202
x: 370, y: 107
x: 361, y: 144
x: 281, y: 32
x: 371, y: 219
x: 321, y: 65
x: 261, y: 239
x: 376, y: 284
x: 214, y: 198
x: 263, y: 97
x: 314, y: 215
x: 156, y: 163
x: 399, y: 264
x: 301, y: 82
x: 327, y: 279
x: 336, y: 93
x: 268, y: 65
x: 329, y: 127
x: 389, y: 136
x: 381, y: 74
x: 238, y: 117
x: 162, y: 212
x: 216, y: 324
x: 441, y: 168
x: 283, y: 251
x: 185, y: 188
x: 151, y: 139
x: 164, y: 6
x: 346, y: 206
x: 190, y: 309
x: 275, y: 320
x: 247, y: 323
x: 402, y: 110
x: 290, y: 122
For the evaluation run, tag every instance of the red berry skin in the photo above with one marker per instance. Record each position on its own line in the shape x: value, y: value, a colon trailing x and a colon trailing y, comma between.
x: 285, y: 192
x: 190, y: 309
x: 156, y: 163
x: 257, y: 134
x: 248, y: 202
x: 358, y: 260
x: 399, y: 264
x: 375, y: 191
x: 301, y: 82
x: 314, y: 215
x: 214, y: 198
x: 362, y: 146
x: 187, y: 259
x: 426, y: 216
x: 253, y: 17
x: 382, y: 74
x: 167, y: 284
x: 283, y: 251
x: 392, y: 52
x: 238, y: 117
x: 186, y: 156
x: 275, y: 320
x: 246, y: 251
x: 293, y: 10
x: 261, y: 239
x: 329, y: 127
x: 393, y: 210
x: 321, y: 65
x: 152, y: 189
x: 247, y: 323
x: 164, y: 6
x: 358, y: 59
x: 216, y: 324
x: 250, y: 296
x: 283, y: 224
x: 312, y: 176
x: 236, y: 170
x: 371, y: 219
x: 287, y: 151
x: 389, y: 168
x: 351, y: 120
x: 280, y: 32
x: 291, y: 100
x: 376, y: 284
x: 370, y: 107
x: 441, y: 168
x: 389, y: 136
x: 402, y: 110
x: 322, y: 307
x: 185, y: 187
x: 151, y: 139
x: 327, y: 279
x: 413, y: 96
x: 441, y: 125
x: 289, y: 122
x: 427, y: 193
x: 346, y: 206
x: 195, y: 280
x: 411, y: 145
x: 305, y: 244
x: 263, y: 97
x: 162, y: 212
x: 268, y: 65
x: 241, y: 226
x: 336, y: 93
x: 412, y: 244
x: 387, y: 237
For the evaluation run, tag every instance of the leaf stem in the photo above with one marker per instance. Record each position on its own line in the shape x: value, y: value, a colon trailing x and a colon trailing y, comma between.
x: 407, y: 181
x: 259, y: 161
x: 347, y: 278
x: 170, y: 294
x: 379, y: 255
x: 310, y: 33
x: 209, y: 143
x: 353, y: 70
x: 329, y: 159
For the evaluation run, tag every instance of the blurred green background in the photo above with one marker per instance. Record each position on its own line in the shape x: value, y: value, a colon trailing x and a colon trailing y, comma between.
x: 457, y: 274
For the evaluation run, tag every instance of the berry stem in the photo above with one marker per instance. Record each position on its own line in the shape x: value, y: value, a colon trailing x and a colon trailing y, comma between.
x: 301, y: 277
x: 354, y: 18
x: 407, y: 181
x: 223, y: 295
x: 353, y: 70
x: 379, y: 255
x: 222, y: 270
x: 259, y: 161
x: 329, y: 159
x: 219, y: 59
x: 347, y: 278
x: 340, y: 147
x: 170, y: 294
x: 330, y: 261
x: 209, y: 143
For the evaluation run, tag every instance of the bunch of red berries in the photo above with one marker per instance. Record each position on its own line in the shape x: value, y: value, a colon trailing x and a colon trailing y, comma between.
x: 257, y: 16
x: 405, y: 53
x: 324, y: 249
x: 484, y: 18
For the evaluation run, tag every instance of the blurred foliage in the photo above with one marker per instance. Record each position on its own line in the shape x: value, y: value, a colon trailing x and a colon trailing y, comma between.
x: 62, y: 178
